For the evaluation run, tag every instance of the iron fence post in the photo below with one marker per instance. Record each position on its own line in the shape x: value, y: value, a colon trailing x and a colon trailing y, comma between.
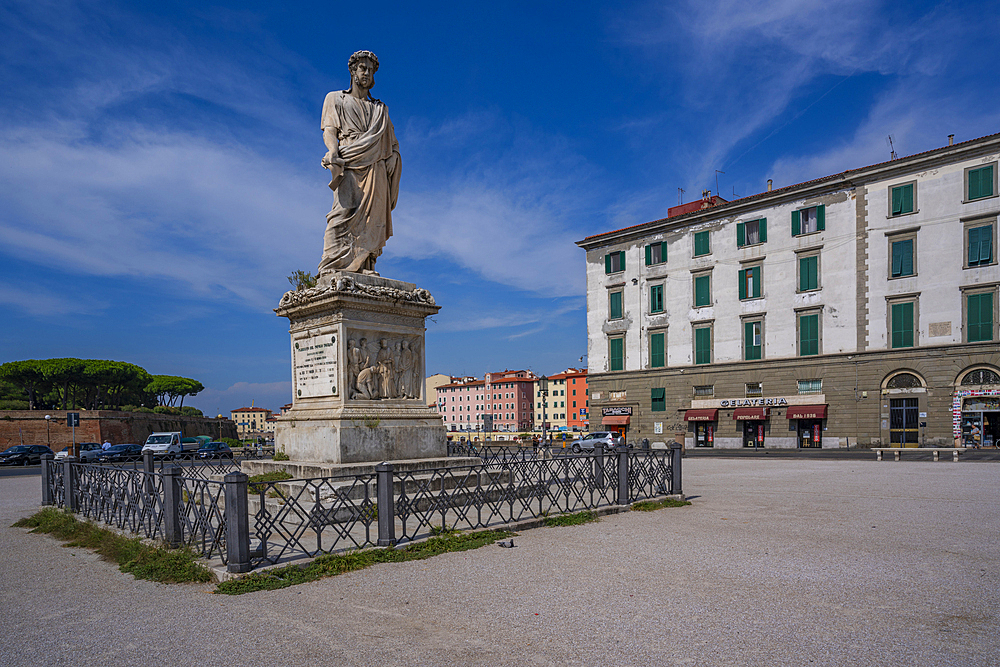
x: 47, y: 479
x: 386, y: 512
x: 237, y: 522
x: 147, y: 466
x: 69, y: 485
x: 171, y: 507
x: 675, y: 468
x: 623, y: 495
x: 599, y: 465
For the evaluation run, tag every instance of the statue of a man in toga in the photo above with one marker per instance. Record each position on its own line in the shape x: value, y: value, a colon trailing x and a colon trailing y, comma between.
x: 365, y: 166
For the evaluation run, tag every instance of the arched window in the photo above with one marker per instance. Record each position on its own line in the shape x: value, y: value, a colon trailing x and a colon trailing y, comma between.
x: 904, y: 381
x: 981, y: 376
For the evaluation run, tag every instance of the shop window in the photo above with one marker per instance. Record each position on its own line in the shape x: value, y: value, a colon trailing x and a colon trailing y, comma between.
x: 808, y: 220
x: 810, y: 386
x: 751, y: 232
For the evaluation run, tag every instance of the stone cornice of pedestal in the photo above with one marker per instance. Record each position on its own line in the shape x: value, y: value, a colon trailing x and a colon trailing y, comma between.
x: 359, y: 292
x: 360, y: 413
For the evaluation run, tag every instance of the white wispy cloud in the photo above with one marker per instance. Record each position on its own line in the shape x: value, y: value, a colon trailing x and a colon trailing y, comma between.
x: 270, y: 395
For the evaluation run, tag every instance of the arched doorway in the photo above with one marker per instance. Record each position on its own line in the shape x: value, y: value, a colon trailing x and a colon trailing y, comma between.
x: 903, y: 389
x: 976, y: 407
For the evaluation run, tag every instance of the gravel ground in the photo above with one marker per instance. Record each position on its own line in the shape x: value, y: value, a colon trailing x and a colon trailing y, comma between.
x: 778, y: 562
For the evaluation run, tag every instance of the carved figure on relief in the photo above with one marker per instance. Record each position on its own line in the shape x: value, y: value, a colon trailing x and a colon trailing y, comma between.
x: 385, y: 364
x: 364, y: 163
x: 406, y: 370
x: 367, y: 382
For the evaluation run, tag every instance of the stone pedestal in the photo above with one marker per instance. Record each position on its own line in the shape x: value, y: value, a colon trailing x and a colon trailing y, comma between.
x: 357, y: 344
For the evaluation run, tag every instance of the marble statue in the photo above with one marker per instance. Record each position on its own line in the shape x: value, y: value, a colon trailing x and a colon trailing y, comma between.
x: 364, y: 164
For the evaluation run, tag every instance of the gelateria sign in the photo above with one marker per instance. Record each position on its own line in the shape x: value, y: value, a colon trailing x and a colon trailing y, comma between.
x: 753, y: 403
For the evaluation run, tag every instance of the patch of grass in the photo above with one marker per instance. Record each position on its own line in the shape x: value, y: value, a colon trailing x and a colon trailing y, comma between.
x: 438, y: 530
x: 259, y: 482
x: 652, y: 505
x: 575, y: 519
x: 334, y: 564
x: 132, y: 555
x: 280, y: 455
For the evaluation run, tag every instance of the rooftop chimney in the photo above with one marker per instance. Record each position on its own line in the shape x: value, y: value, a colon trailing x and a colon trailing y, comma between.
x: 769, y: 185
x: 705, y: 194
x: 951, y: 139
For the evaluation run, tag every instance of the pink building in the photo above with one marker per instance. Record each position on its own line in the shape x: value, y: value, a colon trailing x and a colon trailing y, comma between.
x: 509, y: 398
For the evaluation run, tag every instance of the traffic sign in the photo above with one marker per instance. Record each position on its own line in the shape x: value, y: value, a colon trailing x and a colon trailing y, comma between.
x: 72, y: 419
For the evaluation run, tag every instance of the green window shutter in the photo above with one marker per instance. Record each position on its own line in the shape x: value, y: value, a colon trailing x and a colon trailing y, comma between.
x: 703, y: 345
x: 897, y: 201
x: 980, y: 317
x: 763, y: 230
x: 986, y: 244
x: 617, y: 361
x: 796, y: 224
x: 973, y: 245
x: 821, y: 217
x: 907, y: 264
x: 663, y: 251
x: 897, y: 259
x: 986, y: 181
x: 974, y: 190
x: 607, y: 263
x: 657, y: 399
x: 743, y: 284
x: 808, y: 335
x: 615, y: 306
x: 656, y: 298
x: 907, y: 203
x: 740, y: 235
x: 701, y: 244
x: 621, y: 260
x: 751, y: 351
x: 656, y: 356
x: 649, y: 255
x: 807, y: 273
x: 902, y: 325
x: 702, y: 291
x: 758, y: 281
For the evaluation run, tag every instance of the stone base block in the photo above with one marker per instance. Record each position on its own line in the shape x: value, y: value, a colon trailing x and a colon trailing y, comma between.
x: 312, y: 470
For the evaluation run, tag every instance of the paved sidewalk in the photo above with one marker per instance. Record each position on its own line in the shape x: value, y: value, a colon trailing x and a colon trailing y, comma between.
x: 778, y: 562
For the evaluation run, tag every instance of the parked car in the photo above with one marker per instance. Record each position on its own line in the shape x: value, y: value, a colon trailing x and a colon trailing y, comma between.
x: 606, y: 438
x: 90, y: 452
x: 169, y: 444
x: 121, y: 453
x: 215, y: 450
x: 23, y: 455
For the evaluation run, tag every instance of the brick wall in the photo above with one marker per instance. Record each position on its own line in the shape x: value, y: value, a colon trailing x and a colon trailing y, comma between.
x: 29, y: 426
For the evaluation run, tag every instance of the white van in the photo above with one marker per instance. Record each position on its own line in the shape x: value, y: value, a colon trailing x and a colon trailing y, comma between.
x: 164, y: 444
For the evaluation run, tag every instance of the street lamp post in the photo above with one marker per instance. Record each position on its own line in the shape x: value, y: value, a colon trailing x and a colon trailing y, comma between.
x: 48, y: 433
x: 543, y: 385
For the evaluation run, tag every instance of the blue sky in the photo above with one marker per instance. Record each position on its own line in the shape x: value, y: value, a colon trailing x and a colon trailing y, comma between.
x: 159, y: 162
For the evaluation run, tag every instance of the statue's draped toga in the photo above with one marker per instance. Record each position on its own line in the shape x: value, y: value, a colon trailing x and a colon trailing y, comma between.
x: 361, y: 218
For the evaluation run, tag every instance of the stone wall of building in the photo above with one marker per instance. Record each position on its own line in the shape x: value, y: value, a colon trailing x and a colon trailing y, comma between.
x: 29, y: 427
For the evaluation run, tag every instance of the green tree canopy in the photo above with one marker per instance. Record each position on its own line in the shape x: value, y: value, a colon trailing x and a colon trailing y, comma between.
x: 169, y: 388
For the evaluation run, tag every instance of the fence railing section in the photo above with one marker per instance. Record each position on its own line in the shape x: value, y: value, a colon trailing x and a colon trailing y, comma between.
x: 253, y: 524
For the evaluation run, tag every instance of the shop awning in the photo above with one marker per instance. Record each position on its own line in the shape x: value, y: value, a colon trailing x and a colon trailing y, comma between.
x: 701, y: 415
x: 806, y: 412
x: 616, y: 420
x: 750, y: 414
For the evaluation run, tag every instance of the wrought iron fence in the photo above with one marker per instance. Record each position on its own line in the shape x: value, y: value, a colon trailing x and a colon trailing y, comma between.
x: 253, y: 524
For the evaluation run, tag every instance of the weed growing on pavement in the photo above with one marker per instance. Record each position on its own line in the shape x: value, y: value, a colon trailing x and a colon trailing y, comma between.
x: 334, y: 564
x: 132, y: 555
x: 571, y: 519
x: 652, y: 505
x: 257, y: 483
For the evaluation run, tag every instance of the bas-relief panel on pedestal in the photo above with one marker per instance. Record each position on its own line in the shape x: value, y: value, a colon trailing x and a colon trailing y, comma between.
x: 381, y: 366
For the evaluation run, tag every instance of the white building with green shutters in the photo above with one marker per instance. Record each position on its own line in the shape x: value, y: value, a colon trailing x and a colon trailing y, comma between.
x: 858, y: 308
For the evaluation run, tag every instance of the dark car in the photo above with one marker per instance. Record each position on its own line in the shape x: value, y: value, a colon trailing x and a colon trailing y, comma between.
x: 121, y: 453
x: 23, y: 455
x: 215, y: 450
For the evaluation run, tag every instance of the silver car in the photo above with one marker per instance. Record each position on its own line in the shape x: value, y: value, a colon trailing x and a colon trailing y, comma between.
x: 89, y: 452
x: 606, y: 438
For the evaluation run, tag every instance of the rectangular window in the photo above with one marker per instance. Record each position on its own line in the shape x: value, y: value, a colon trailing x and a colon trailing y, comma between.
x: 750, y: 282
x: 658, y: 399
x: 754, y: 389
x: 703, y: 290
x: 751, y: 232
x: 703, y: 391
x: 614, y: 262
x: 656, y: 298
x: 656, y: 253
x: 981, y: 182
x: 703, y: 345
x: 810, y: 386
x: 614, y: 305
x: 901, y: 315
x: 753, y: 340
x: 902, y: 199
x: 809, y: 220
x: 657, y: 358
x: 979, y: 314
x: 702, y: 244
x: 616, y: 354
x: 808, y: 334
x: 808, y: 273
x: 980, y: 245
x: 902, y: 258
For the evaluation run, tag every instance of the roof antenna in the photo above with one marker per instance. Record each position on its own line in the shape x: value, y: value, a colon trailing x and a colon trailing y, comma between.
x: 892, y: 149
x: 717, y: 172
x: 680, y: 196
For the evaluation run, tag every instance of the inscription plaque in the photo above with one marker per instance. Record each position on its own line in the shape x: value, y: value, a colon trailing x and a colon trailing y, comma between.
x: 315, y: 362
